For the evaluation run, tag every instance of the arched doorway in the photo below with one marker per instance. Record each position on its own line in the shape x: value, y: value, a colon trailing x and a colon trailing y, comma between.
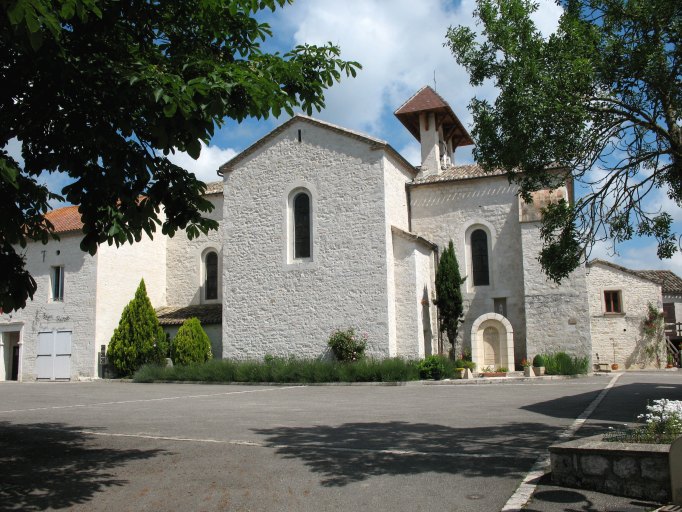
x: 492, y: 342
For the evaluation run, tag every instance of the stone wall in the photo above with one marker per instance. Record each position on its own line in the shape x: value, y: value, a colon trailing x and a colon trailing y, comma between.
x: 417, y: 334
x: 557, y: 316
x: 625, y: 469
x: 76, y: 313
x: 621, y: 332
x: 277, y: 306
x: 450, y: 211
x: 119, y: 272
x: 396, y: 214
x: 184, y: 262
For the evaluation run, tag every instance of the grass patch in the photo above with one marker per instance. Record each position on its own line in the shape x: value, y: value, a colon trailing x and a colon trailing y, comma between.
x: 285, y: 370
x: 560, y: 363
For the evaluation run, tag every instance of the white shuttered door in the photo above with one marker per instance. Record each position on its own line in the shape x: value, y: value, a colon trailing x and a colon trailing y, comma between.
x: 53, y: 359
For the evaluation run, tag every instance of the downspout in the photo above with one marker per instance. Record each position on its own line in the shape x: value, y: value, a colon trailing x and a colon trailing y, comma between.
x: 440, y: 333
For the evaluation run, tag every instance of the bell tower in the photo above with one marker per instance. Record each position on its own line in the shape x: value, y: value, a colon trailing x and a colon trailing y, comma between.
x: 433, y: 123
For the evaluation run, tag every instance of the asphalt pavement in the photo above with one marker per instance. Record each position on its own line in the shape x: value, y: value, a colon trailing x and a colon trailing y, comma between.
x: 123, y: 446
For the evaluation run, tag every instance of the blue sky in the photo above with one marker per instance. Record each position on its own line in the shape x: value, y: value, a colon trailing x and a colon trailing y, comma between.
x: 400, y: 46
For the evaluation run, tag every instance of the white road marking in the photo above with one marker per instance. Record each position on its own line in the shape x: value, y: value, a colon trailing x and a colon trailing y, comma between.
x: 525, y: 490
x: 317, y: 446
x: 143, y: 400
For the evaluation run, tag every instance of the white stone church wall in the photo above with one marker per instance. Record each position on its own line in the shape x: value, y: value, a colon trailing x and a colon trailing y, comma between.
x: 450, y: 210
x: 557, y: 316
x: 119, y: 272
x: 281, y: 308
x: 76, y: 313
x: 416, y: 334
x: 184, y: 261
x: 621, y: 333
x: 395, y: 178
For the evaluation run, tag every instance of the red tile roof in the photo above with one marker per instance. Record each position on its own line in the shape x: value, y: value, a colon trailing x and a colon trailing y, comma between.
x: 672, y: 284
x: 65, y: 219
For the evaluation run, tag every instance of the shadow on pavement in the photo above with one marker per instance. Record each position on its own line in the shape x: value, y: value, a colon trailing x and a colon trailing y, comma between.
x: 621, y: 406
x: 353, y: 452
x: 51, y: 466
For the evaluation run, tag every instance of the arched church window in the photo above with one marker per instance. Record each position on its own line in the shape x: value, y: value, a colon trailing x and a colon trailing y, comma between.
x: 211, y: 276
x: 479, y: 258
x: 301, y: 225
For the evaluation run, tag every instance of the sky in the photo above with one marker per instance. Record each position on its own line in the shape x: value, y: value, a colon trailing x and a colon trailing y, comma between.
x: 400, y: 46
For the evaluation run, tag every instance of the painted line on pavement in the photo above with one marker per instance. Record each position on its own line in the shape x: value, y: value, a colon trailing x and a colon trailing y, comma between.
x: 143, y: 400
x: 525, y: 491
x: 317, y: 446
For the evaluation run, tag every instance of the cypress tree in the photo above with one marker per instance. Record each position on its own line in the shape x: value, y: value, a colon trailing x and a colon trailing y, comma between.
x: 139, y: 338
x: 449, y: 296
x: 191, y: 344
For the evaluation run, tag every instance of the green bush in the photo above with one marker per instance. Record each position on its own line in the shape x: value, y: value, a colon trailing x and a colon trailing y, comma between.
x: 432, y: 367
x: 286, y: 370
x: 347, y: 346
x: 191, y: 344
x: 560, y: 363
x: 138, y: 339
x: 539, y: 360
x: 465, y: 363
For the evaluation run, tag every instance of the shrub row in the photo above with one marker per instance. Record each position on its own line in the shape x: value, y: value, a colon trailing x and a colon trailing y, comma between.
x: 560, y: 363
x: 290, y: 370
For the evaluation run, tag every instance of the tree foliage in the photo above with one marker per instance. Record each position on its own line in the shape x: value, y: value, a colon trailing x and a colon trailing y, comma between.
x: 191, y: 344
x: 598, y: 101
x: 449, y: 295
x: 103, y: 90
x: 138, y: 339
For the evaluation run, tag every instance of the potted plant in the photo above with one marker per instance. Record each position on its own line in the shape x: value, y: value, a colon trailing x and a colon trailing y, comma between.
x: 489, y: 371
x: 459, y: 373
x: 527, y: 368
x: 614, y: 366
x: 539, y: 365
x: 671, y: 360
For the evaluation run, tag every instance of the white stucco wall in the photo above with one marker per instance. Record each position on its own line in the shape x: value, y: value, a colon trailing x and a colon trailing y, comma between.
x: 185, y: 277
x: 450, y: 210
x: 620, y: 332
x: 557, y: 316
x: 396, y: 214
x: 416, y: 329
x: 76, y: 313
x: 119, y: 272
x: 281, y: 308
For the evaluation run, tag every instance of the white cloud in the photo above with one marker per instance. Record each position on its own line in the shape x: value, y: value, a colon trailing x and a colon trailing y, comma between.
x: 206, y: 166
x: 400, y: 48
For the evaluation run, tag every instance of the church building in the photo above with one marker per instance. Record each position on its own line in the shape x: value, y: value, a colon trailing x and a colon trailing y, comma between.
x: 324, y: 228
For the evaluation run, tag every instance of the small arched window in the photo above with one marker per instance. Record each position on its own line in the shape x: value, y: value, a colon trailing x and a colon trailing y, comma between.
x: 301, y: 225
x: 479, y: 258
x: 211, y: 276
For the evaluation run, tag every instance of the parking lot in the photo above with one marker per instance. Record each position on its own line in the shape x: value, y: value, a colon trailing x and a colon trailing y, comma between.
x: 123, y: 446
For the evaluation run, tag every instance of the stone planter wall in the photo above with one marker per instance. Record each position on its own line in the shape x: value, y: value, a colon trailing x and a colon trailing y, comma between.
x: 625, y: 469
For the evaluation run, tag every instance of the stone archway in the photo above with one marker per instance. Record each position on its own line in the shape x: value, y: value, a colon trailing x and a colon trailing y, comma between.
x: 492, y: 341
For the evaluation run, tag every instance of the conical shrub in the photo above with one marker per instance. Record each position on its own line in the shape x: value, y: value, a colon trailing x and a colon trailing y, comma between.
x: 191, y: 344
x: 139, y: 338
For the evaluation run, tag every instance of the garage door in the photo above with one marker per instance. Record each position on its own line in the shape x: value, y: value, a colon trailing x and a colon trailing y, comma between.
x: 54, y: 355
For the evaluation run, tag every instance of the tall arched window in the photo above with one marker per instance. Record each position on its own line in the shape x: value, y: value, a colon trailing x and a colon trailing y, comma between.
x: 301, y: 225
x: 479, y: 258
x: 211, y: 276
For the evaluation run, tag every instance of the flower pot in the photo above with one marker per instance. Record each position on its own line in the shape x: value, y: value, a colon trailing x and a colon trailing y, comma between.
x: 614, y: 366
x: 493, y: 374
x: 459, y: 373
x: 528, y: 371
x: 539, y: 370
